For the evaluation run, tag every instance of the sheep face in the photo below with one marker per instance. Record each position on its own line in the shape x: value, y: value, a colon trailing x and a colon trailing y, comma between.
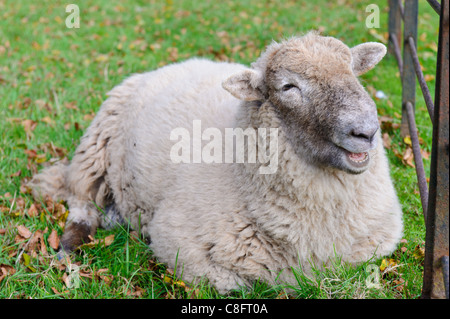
x: 311, y: 81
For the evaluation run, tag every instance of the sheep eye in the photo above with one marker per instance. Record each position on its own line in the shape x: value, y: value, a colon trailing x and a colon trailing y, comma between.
x: 287, y: 87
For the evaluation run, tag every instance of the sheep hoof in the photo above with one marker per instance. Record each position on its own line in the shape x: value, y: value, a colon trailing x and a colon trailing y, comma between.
x: 75, y: 234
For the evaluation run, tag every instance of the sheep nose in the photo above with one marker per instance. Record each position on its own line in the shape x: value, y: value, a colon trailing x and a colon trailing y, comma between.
x: 364, y: 134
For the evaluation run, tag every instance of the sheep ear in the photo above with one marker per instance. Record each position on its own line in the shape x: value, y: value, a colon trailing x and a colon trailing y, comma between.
x: 244, y: 85
x: 366, y: 56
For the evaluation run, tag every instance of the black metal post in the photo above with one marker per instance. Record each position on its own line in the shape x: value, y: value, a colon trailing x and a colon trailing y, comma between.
x: 408, y: 75
x: 395, y: 26
x: 435, y: 277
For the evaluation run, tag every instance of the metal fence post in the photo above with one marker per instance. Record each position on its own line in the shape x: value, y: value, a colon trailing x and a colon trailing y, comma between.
x: 435, y: 281
x: 408, y: 75
x: 395, y: 26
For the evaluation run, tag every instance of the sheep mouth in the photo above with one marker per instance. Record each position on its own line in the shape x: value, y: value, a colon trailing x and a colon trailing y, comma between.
x: 358, y: 160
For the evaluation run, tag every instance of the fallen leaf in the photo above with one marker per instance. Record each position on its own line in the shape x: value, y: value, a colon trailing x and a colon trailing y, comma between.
x: 6, y: 270
x: 43, y: 105
x: 407, y: 140
x: 169, y: 279
x: 89, y: 117
x: 387, y: 124
x: 24, y: 231
x: 66, y: 280
x: 135, y: 292
x: 29, y: 125
x: 429, y: 77
x: 85, y: 273
x: 33, y: 211
x: 24, y: 189
x: 20, y: 203
x: 386, y: 141
x: 419, y: 252
x: 425, y: 154
x: 18, y: 173
x: 101, y: 274
x: 71, y: 105
x: 101, y: 58
x: 18, y: 239
x: 37, y: 243
x: 53, y: 239
x: 408, y: 157
x: 55, y: 290
x: 400, y: 284
x: 31, y: 153
x: 387, y: 264
x: 2, y: 231
x: 108, y: 240
x: 26, y: 261
x: 48, y: 120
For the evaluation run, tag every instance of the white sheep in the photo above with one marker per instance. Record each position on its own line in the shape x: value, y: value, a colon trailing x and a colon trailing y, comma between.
x: 330, y: 193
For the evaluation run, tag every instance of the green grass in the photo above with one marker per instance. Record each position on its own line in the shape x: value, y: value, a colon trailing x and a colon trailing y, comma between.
x: 58, y: 77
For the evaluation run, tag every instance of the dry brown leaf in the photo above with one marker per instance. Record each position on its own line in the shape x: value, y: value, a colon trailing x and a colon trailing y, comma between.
x: 24, y: 231
x: 16, y: 174
x: 387, y: 124
x: 101, y: 275
x: 33, y: 211
x: 136, y: 291
x: 387, y: 141
x: 6, y: 270
x: 86, y: 273
x: 18, y: 239
x: 30, y: 153
x: 20, y: 203
x: 41, y: 104
x: 429, y: 77
x: 37, y: 243
x: 71, y: 105
x: 108, y: 240
x: 419, y: 252
x: 425, y: 154
x: 57, y: 292
x: 2, y: 231
x: 89, y: 117
x: 408, y: 157
x: 400, y: 284
x: 66, y: 279
x: 29, y: 125
x: 53, y: 239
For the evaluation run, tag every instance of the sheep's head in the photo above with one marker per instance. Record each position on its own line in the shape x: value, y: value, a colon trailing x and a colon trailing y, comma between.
x: 311, y: 81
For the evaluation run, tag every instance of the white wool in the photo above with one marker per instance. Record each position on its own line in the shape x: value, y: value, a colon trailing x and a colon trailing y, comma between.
x: 226, y: 222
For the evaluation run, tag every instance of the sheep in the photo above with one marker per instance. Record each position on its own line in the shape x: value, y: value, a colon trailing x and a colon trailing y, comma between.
x: 329, y: 195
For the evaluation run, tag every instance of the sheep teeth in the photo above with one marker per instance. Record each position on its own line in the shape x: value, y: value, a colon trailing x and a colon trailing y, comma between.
x: 354, y: 157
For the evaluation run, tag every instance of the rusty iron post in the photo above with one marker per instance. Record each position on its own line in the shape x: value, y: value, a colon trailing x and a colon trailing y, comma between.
x: 435, y: 5
x: 395, y: 26
x: 435, y: 280
x: 421, y: 79
x: 420, y: 172
x: 409, y: 74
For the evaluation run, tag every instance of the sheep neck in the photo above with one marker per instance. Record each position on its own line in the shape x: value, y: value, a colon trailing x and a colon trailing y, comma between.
x: 294, y: 177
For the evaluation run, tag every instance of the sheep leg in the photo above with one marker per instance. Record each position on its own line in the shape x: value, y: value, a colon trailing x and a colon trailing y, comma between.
x: 82, y: 223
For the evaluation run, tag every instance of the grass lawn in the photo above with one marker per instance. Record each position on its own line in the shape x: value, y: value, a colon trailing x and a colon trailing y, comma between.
x: 53, y: 79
